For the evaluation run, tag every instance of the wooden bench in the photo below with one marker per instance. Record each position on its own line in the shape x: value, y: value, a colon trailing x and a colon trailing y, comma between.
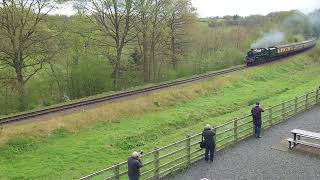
x: 296, y: 142
x: 298, y: 133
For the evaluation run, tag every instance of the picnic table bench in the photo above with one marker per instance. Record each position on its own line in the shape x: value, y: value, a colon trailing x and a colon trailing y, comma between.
x: 298, y: 133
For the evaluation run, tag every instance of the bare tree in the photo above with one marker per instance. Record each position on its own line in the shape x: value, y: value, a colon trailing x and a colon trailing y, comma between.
x: 115, y: 20
x: 24, y: 40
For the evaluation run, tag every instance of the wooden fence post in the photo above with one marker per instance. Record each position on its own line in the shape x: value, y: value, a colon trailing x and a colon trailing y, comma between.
x: 116, y: 171
x: 307, y: 97
x: 253, y: 128
x: 283, y: 111
x: 215, y: 138
x: 188, y: 150
x: 296, y: 105
x: 156, y: 163
x: 270, y: 117
x: 235, y: 130
x: 317, y: 96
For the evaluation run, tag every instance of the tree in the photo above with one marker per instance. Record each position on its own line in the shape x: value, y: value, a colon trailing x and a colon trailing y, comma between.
x: 144, y: 13
x: 25, y: 41
x: 152, y: 15
x: 182, y: 14
x: 115, y: 20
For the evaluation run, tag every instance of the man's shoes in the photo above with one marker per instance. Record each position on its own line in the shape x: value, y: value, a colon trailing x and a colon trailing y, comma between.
x: 259, y: 137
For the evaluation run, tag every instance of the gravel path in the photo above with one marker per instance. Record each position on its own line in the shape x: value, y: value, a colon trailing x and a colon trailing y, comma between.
x: 255, y: 159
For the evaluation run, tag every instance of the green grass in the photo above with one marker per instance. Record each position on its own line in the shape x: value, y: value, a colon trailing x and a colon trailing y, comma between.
x: 65, y: 154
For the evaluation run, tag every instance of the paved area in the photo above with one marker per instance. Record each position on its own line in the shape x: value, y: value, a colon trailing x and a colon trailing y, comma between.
x: 256, y: 159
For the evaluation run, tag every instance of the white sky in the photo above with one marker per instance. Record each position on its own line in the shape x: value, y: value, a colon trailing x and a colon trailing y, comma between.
x: 208, y: 8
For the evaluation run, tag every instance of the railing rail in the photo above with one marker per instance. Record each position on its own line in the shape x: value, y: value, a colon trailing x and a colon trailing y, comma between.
x: 168, y: 159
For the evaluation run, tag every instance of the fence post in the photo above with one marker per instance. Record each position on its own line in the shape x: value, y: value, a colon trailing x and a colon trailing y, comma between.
x: 215, y: 139
x: 270, y: 117
x: 317, y: 96
x: 307, y: 97
x: 235, y: 130
x: 188, y: 150
x: 283, y: 111
x: 253, y: 128
x: 116, y: 172
x: 296, y: 105
x: 156, y: 163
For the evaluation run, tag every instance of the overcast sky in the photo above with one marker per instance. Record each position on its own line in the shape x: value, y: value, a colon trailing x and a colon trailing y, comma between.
x: 208, y: 8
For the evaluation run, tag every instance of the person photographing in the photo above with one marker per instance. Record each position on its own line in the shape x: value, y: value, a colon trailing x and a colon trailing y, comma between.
x: 134, y: 165
x: 208, y: 142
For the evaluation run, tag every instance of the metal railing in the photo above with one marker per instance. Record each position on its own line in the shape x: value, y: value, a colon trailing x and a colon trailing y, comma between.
x: 181, y: 154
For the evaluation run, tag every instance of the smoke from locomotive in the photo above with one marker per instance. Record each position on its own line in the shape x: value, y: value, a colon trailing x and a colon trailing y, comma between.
x: 269, y: 39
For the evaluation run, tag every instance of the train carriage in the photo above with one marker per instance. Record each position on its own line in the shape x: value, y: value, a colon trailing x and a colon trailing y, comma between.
x: 262, y: 55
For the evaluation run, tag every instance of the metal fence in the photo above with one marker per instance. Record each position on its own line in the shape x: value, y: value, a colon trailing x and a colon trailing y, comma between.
x: 179, y: 155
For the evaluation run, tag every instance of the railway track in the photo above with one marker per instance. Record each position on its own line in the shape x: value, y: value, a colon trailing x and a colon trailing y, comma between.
x: 12, y: 119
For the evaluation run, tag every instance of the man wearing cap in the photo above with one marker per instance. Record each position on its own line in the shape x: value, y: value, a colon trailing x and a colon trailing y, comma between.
x: 134, y: 165
x: 209, y: 141
x: 257, y: 122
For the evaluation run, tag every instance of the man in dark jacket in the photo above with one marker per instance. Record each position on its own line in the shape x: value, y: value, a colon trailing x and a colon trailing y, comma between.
x: 257, y: 122
x: 209, y: 141
x: 134, y: 165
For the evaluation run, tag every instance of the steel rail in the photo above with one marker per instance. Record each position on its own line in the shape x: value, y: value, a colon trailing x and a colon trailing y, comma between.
x: 17, y: 118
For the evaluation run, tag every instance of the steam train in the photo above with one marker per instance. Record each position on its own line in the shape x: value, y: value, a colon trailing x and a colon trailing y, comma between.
x: 263, y: 55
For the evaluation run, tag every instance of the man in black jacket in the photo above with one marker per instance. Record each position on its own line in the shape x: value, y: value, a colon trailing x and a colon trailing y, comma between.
x: 209, y: 141
x: 257, y: 122
x: 134, y: 165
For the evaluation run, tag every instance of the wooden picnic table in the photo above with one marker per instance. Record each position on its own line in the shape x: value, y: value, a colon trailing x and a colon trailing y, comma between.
x: 298, y: 133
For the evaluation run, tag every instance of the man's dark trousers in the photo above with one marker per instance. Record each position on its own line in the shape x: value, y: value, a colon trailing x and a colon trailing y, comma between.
x: 257, y: 130
x: 134, y: 177
x: 211, y: 151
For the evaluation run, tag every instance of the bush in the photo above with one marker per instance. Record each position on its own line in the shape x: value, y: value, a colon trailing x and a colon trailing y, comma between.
x: 60, y: 132
x: 20, y: 145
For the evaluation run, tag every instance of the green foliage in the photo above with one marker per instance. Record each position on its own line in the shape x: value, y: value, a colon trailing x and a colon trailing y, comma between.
x: 82, y: 58
x: 60, y: 133
x: 131, y: 142
x: 84, y: 63
x: 21, y: 145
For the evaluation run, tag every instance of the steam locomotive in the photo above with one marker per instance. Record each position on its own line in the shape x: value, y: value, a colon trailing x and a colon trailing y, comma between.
x: 263, y: 55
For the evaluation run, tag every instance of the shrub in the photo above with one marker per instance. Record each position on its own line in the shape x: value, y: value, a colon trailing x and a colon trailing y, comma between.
x: 19, y: 145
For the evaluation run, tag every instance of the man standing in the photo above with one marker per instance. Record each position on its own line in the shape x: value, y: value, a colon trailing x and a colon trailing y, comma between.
x: 209, y: 141
x: 134, y: 165
x: 257, y: 122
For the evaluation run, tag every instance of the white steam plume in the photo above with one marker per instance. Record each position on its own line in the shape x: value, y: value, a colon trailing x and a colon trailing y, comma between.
x: 269, y: 39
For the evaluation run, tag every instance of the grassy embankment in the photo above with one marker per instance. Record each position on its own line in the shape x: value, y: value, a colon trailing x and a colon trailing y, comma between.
x: 72, y: 149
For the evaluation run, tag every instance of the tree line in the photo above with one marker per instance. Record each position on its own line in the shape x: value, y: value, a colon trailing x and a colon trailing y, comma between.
x: 31, y: 41
x: 110, y: 45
